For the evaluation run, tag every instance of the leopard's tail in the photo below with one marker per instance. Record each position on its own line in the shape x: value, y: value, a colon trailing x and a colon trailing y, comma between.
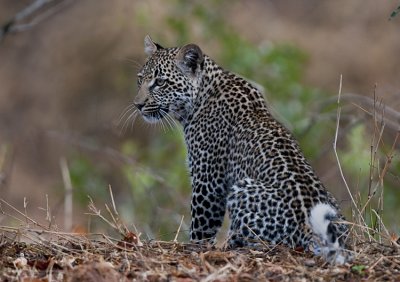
x: 329, y: 234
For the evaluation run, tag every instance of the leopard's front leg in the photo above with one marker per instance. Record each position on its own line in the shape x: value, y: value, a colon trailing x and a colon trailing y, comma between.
x: 207, y: 209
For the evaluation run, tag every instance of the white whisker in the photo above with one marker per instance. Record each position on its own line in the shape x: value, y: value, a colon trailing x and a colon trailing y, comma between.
x: 161, y: 122
x: 133, y: 119
x: 126, y: 123
x: 162, y: 119
x: 179, y: 115
x: 174, y: 121
x: 127, y: 120
x: 167, y: 118
x: 126, y: 111
x: 136, y: 64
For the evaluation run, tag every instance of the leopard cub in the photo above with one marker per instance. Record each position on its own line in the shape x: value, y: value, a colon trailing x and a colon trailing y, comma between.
x: 240, y: 158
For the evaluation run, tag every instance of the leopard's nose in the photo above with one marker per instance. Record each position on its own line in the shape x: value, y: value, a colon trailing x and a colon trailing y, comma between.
x: 139, y: 106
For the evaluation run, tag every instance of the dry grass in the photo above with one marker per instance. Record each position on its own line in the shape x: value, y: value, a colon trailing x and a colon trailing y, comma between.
x: 77, y: 257
x: 38, y: 252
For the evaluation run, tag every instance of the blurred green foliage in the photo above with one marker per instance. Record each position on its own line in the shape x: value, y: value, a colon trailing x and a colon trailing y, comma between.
x: 356, y: 157
x: 87, y: 179
x: 159, y: 186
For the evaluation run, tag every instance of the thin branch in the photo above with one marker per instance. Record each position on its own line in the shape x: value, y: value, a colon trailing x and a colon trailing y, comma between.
x: 335, y: 143
x: 112, y: 200
x: 40, y: 18
x: 29, y: 10
x: 97, y: 213
x: 37, y: 7
x: 391, y: 118
x: 179, y: 230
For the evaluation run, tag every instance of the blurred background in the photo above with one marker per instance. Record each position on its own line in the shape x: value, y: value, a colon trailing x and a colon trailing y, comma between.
x: 68, y: 72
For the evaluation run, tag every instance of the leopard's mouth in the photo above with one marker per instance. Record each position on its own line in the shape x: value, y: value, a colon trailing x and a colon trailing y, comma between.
x: 154, y: 114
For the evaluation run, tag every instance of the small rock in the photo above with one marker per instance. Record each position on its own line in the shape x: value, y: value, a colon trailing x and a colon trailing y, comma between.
x: 20, y: 262
x: 309, y: 262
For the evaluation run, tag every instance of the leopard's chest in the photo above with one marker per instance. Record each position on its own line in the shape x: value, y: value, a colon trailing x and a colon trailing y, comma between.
x: 207, y: 140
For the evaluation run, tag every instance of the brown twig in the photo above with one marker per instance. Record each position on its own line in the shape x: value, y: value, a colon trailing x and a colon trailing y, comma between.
x: 24, y: 215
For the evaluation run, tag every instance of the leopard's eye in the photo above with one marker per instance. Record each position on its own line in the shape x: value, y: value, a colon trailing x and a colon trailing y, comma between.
x: 159, y: 81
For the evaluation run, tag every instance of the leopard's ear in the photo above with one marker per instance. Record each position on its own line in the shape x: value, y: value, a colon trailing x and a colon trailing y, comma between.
x: 150, y: 47
x: 189, y: 59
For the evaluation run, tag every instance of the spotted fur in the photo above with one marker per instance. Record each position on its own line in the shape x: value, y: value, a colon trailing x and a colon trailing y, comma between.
x: 240, y: 158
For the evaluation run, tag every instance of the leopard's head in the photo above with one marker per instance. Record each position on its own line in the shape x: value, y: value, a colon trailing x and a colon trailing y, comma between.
x: 169, y: 81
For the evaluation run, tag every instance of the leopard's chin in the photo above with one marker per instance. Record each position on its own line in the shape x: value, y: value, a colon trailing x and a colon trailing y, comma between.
x: 151, y: 119
x: 153, y: 116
